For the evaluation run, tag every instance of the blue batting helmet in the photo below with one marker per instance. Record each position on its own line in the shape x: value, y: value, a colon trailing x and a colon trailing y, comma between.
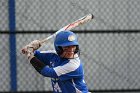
x: 65, y: 38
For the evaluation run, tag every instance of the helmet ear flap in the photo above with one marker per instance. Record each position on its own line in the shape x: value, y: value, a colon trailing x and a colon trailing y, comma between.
x: 76, y: 50
x: 59, y: 50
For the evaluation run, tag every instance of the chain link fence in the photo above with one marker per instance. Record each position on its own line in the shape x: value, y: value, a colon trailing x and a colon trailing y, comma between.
x: 110, y: 57
x: 111, y: 61
x: 4, y: 15
x: 4, y: 63
x: 52, y: 15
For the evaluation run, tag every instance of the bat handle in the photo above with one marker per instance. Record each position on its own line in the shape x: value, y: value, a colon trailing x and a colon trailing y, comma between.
x: 46, y: 39
x: 51, y: 36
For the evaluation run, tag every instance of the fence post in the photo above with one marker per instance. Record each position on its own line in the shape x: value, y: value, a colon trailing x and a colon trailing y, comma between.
x: 12, y: 46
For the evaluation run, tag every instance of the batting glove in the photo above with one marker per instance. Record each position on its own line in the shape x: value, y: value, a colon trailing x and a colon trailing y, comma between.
x: 34, y: 45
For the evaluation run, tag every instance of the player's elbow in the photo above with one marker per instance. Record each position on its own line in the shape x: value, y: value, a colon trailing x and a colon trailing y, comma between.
x: 48, y: 72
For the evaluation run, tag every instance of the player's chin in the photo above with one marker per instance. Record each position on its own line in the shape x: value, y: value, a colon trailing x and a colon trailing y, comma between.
x: 68, y: 55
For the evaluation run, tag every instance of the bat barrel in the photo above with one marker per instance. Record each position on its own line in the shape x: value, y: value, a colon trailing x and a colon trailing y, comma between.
x: 92, y: 16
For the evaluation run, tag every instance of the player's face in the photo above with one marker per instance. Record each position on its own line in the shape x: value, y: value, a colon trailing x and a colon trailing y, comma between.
x: 68, y: 51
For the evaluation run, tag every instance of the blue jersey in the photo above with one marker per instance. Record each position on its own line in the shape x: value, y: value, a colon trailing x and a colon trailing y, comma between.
x: 66, y: 74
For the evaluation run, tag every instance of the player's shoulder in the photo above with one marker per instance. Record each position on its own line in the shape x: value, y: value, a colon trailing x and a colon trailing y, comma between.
x: 72, y: 67
x: 72, y: 64
x: 45, y: 52
x: 48, y: 53
x: 77, y: 59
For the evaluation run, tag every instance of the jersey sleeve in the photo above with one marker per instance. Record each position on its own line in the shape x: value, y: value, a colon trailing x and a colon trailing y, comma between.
x: 42, y: 68
x: 44, y: 56
x: 48, y: 72
x: 72, y: 69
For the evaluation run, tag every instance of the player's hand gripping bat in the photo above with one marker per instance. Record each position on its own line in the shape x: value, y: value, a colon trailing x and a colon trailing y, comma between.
x: 70, y: 26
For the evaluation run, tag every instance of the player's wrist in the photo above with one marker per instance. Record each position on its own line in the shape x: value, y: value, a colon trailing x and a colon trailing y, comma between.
x: 30, y: 57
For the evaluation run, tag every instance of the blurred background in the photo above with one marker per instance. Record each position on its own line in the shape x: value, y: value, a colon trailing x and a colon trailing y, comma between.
x: 109, y: 44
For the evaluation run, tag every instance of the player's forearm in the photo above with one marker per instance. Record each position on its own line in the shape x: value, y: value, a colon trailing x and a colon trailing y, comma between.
x: 37, y: 64
x: 42, y: 68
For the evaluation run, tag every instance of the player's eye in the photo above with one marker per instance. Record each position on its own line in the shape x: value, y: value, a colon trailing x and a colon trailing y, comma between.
x: 69, y: 48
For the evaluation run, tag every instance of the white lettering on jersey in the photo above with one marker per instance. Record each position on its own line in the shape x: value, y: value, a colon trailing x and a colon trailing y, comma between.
x: 57, y: 88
